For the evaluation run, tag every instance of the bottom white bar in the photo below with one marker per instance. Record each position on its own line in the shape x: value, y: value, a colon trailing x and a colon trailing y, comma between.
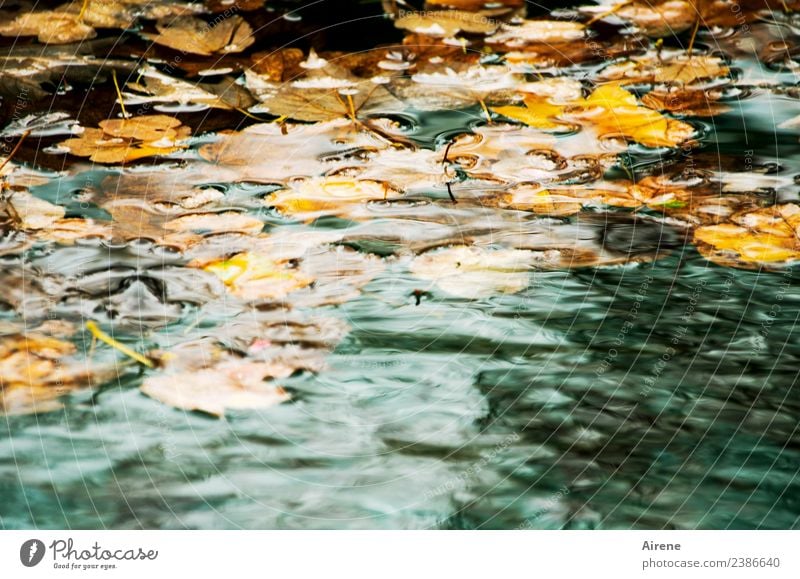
x: 401, y: 554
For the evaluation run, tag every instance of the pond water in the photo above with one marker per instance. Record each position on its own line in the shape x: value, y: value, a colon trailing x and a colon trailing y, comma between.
x: 659, y: 393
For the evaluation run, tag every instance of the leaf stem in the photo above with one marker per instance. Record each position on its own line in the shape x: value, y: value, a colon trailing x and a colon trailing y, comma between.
x: 15, y: 149
x: 103, y: 337
x: 119, y: 94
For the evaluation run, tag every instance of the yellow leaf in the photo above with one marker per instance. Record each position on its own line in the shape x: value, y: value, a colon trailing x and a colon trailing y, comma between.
x: 328, y: 196
x: 620, y: 115
x: 763, y: 236
x: 611, y: 110
x: 252, y: 276
x: 537, y: 113
x: 610, y: 96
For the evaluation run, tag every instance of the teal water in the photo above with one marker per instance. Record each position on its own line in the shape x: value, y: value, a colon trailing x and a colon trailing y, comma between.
x: 660, y: 394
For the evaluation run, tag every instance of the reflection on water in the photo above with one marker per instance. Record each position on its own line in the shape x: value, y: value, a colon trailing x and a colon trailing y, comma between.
x: 632, y: 397
x: 657, y: 394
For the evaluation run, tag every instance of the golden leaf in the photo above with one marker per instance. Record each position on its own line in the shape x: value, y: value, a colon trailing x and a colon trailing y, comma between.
x: 537, y: 113
x: 328, y: 196
x: 49, y: 27
x: 123, y: 140
x: 446, y: 23
x: 35, y: 370
x: 251, y: 276
x: 768, y: 236
x: 191, y: 34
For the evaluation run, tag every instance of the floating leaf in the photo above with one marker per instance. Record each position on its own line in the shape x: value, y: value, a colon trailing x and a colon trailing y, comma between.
x: 325, y: 92
x: 191, y: 34
x: 49, y: 27
x: 446, y: 23
x: 476, y: 5
x: 665, y: 67
x: 537, y: 113
x: 769, y: 236
x: 238, y: 368
x: 611, y: 111
x: 32, y: 212
x: 328, y: 196
x: 102, y: 14
x: 690, y: 69
x: 455, y: 87
x: 124, y: 140
x: 657, y: 18
x: 473, y: 272
x: 272, y: 153
x: 151, y: 86
x: 251, y: 276
x: 227, y: 221
x: 227, y: 385
x: 538, y: 32
x: 698, y: 103
x: 35, y: 370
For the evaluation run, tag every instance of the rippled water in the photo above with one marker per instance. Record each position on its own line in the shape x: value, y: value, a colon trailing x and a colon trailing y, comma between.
x: 652, y: 395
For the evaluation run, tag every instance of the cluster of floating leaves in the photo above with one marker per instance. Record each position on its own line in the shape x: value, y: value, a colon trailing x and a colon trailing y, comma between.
x: 233, y: 226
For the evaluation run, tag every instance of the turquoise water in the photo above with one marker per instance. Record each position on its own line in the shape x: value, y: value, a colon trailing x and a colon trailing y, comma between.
x: 657, y: 394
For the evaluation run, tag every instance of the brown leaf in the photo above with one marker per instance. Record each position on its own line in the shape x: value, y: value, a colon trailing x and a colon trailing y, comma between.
x: 279, y: 65
x: 698, y: 103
